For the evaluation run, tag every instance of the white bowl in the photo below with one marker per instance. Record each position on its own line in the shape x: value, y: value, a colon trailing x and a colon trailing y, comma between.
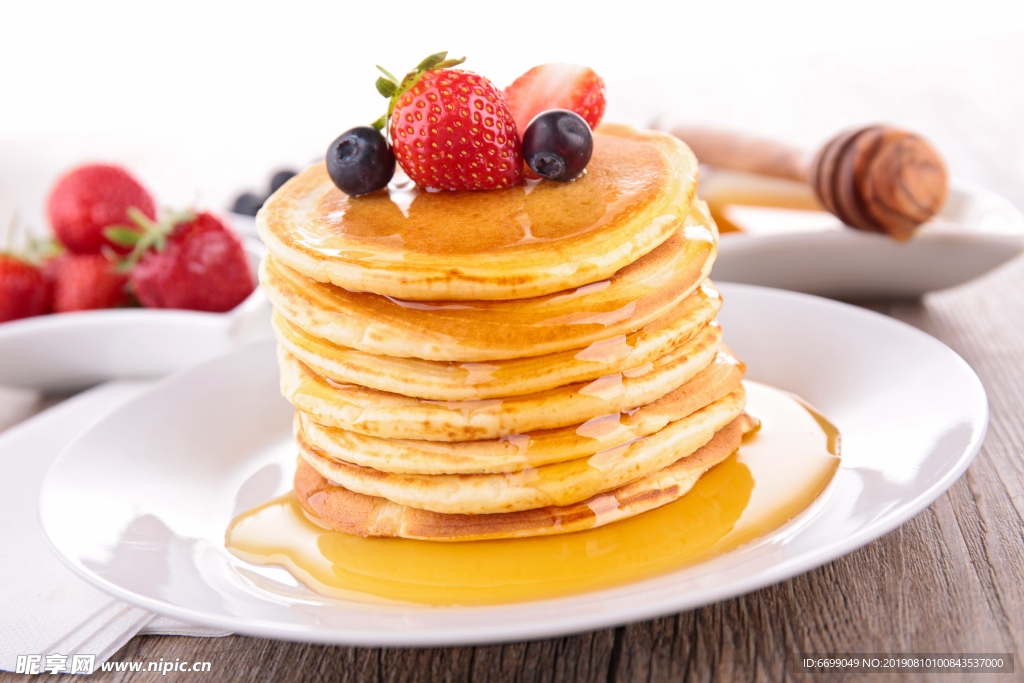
x: 68, y: 351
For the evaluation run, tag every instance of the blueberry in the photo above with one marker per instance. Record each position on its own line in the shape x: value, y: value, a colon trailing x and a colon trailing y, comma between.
x: 279, y: 179
x: 247, y: 204
x: 360, y: 161
x: 557, y: 144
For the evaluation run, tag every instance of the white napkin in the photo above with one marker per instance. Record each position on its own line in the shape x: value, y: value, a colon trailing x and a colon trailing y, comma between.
x: 47, y: 609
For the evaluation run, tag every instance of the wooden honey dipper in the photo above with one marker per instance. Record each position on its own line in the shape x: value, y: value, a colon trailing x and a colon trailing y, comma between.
x: 878, y: 178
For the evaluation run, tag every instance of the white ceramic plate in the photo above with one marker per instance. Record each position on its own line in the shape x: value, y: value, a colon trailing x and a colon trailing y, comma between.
x: 139, y: 504
x: 813, y: 252
x: 74, y: 350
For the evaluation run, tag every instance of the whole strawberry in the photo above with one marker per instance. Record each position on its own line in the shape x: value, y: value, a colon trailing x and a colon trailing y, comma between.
x: 24, y: 291
x: 86, y: 282
x: 188, y: 261
x: 556, y: 86
x: 91, y: 198
x: 451, y: 129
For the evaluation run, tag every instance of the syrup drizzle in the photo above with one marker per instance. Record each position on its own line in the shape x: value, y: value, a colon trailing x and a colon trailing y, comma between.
x: 404, y: 217
x: 779, y: 472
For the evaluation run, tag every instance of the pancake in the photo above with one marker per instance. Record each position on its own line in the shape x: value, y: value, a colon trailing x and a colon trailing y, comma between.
x: 560, y: 484
x: 517, y: 452
x: 454, y: 381
x: 363, y: 515
x: 379, y: 413
x: 533, y: 239
x: 496, y: 330
x: 527, y: 361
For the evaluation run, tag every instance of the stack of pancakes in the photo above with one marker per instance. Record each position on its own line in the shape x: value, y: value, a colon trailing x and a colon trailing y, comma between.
x: 474, y: 365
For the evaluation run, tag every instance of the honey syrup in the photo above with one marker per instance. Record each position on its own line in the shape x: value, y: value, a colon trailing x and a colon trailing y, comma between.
x: 743, y: 202
x: 778, y: 473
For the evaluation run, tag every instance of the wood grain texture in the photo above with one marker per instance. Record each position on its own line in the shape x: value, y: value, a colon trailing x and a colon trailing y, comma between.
x: 949, y: 580
x: 741, y: 152
x: 880, y: 179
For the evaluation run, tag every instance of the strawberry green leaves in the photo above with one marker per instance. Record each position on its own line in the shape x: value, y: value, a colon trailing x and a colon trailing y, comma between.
x: 126, y: 237
x: 390, y: 87
x: 145, y: 234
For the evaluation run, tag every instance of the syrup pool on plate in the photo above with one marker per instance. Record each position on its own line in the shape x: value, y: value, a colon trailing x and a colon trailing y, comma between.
x: 777, y: 474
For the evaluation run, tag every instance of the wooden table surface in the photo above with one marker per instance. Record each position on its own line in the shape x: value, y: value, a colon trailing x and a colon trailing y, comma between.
x: 949, y: 580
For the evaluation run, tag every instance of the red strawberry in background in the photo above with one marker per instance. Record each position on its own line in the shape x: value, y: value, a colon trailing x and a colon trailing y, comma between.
x: 186, y: 261
x: 451, y: 129
x: 556, y: 86
x: 24, y: 291
x: 91, y: 198
x: 86, y: 282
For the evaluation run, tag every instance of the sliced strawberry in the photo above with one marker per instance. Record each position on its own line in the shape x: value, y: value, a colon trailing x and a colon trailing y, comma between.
x: 86, y: 282
x: 556, y: 86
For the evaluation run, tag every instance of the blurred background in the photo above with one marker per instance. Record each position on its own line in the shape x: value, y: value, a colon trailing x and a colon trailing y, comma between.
x: 203, y: 100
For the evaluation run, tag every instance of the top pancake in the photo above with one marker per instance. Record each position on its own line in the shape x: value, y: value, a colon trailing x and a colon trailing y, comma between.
x: 472, y: 331
x: 535, y: 238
